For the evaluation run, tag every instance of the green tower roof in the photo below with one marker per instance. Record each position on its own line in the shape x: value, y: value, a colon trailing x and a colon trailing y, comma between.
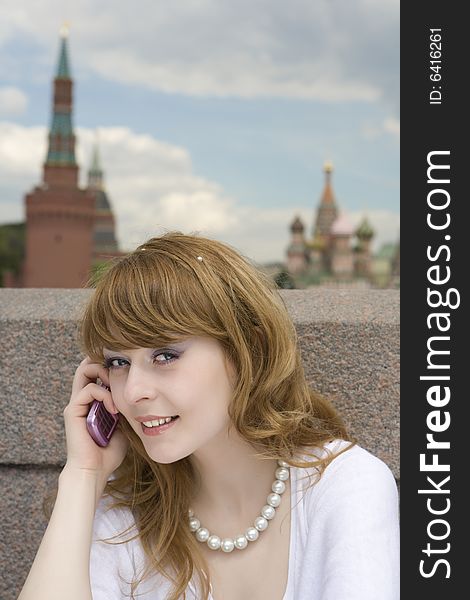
x: 63, y: 71
x: 61, y: 150
x: 95, y: 172
x: 95, y: 166
x: 364, y: 230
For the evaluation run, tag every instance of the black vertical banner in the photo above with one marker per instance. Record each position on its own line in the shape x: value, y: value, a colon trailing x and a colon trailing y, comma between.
x: 435, y: 241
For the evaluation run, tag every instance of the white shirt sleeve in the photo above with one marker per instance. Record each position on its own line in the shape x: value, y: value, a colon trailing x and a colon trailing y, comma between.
x: 353, y: 531
x: 113, y: 567
x: 110, y: 564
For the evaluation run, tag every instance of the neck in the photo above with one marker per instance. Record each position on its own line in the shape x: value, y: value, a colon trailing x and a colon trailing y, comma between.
x: 231, y: 478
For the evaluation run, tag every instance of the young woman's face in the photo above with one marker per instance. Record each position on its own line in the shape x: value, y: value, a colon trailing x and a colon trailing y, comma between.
x: 190, y: 380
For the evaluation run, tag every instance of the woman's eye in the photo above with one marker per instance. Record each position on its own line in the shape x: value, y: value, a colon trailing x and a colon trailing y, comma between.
x: 162, y: 357
x: 165, y: 358
x: 114, y: 363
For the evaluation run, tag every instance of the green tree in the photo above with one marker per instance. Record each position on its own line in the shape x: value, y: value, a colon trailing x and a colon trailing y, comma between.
x: 284, y: 280
x: 12, y: 248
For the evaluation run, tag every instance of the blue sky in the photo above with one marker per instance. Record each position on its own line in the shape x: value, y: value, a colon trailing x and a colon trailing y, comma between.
x: 212, y: 115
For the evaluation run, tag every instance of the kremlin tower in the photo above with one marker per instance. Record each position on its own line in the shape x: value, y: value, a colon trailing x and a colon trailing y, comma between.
x: 104, y: 238
x: 67, y: 228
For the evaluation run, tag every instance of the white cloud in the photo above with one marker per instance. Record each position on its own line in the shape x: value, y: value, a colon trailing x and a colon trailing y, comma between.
x: 337, y: 50
x: 389, y: 126
x: 13, y: 101
x: 151, y: 184
x: 392, y: 125
x: 152, y: 187
x: 247, y: 77
x: 22, y: 151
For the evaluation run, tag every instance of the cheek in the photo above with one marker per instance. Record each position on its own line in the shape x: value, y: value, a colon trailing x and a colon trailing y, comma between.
x: 214, y: 401
x: 206, y: 389
x: 117, y: 394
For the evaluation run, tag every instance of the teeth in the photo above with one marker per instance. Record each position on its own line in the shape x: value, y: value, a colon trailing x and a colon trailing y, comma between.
x: 157, y: 422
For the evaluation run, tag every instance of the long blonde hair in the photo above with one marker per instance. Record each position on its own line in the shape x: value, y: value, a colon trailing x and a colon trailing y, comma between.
x: 175, y: 286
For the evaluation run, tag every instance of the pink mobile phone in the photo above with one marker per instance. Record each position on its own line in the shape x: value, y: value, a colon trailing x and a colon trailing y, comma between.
x: 100, y: 423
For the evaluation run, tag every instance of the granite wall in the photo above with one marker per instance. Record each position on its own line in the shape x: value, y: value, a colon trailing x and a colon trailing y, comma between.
x: 350, y: 346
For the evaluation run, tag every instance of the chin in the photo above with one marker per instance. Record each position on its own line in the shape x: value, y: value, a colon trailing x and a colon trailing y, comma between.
x: 164, y: 458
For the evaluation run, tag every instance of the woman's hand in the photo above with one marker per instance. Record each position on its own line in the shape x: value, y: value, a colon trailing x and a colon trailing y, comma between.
x: 82, y: 452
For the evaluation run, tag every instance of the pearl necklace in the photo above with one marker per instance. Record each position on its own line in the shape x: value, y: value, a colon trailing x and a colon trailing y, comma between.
x: 261, y: 523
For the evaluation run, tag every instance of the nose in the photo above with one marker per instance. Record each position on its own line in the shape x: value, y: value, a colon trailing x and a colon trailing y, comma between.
x: 140, y: 385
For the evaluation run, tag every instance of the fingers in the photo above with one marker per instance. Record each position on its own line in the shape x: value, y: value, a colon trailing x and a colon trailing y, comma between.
x: 88, y: 372
x: 85, y: 388
x: 80, y: 403
x: 98, y: 392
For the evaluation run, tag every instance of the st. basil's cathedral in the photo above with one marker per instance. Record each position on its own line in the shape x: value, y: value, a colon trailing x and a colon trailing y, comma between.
x: 337, y: 254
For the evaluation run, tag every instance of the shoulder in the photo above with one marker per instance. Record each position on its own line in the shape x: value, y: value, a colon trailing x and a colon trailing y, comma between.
x: 354, y: 464
x: 353, y: 477
x: 350, y: 519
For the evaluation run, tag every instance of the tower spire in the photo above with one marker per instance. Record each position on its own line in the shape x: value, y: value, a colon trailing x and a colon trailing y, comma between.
x: 95, y: 172
x: 63, y: 65
x: 327, y: 210
x: 60, y: 167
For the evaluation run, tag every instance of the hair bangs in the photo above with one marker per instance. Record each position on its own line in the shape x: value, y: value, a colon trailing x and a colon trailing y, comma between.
x: 145, y: 300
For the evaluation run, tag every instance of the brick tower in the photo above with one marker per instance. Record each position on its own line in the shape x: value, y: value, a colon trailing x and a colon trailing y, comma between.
x: 59, y: 215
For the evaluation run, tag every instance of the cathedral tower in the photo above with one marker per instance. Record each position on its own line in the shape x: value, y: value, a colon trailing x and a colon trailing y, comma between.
x: 341, y: 256
x: 59, y: 215
x: 327, y: 210
x: 296, y: 252
x: 364, y: 234
x: 326, y: 215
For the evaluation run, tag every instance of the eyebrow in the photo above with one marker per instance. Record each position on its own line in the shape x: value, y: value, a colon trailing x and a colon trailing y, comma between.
x: 107, y: 351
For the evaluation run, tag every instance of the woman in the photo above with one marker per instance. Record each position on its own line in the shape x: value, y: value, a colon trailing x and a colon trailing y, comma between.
x: 227, y: 477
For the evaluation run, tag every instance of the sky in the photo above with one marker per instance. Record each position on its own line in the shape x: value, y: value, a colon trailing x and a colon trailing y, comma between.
x: 212, y: 116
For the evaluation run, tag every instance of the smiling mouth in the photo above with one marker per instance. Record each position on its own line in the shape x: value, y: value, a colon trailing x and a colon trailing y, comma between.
x: 159, y: 422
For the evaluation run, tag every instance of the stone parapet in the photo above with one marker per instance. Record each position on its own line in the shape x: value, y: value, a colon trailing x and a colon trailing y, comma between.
x: 349, y: 340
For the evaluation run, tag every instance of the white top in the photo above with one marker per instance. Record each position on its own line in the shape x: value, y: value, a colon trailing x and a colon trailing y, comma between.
x: 344, y: 539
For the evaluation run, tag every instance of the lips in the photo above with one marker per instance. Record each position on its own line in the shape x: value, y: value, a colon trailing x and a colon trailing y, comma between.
x: 159, y: 429
x: 153, y: 417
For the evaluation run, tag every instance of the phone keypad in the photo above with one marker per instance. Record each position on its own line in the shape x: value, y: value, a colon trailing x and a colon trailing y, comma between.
x: 105, y: 420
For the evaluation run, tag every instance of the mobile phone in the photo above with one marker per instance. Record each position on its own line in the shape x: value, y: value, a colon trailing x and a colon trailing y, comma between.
x: 100, y: 423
